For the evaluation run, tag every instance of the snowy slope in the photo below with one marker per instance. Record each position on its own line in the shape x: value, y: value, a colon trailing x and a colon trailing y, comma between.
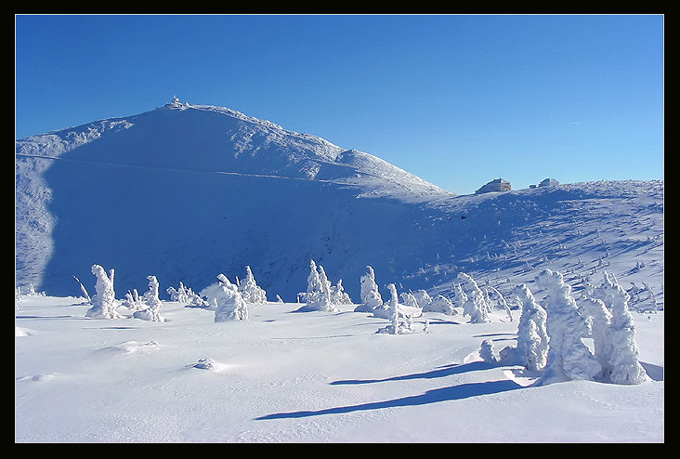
x: 186, y: 192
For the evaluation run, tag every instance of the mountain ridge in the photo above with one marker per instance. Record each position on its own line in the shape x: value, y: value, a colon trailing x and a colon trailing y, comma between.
x: 297, y: 155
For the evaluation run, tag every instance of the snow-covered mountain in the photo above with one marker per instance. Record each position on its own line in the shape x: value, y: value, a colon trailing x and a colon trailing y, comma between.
x: 186, y: 192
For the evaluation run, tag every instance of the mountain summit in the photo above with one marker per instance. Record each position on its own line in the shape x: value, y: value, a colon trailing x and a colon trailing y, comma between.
x: 185, y: 192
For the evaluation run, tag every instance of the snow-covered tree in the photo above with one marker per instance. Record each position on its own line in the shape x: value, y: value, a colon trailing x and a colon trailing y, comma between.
x: 226, y: 299
x: 476, y: 306
x: 493, y: 297
x: 439, y: 303
x: 104, y: 300
x: 313, y: 284
x: 408, y: 299
x: 251, y: 292
x: 179, y: 295
x: 132, y: 300
x: 615, y: 340
x: 532, y: 338
x: 400, y: 322
x: 152, y: 303
x: 598, y: 318
x: 84, y: 291
x: 568, y: 356
x: 459, y: 296
x: 370, y: 296
x: 318, y: 294
x: 338, y: 294
x: 423, y: 299
x: 186, y: 296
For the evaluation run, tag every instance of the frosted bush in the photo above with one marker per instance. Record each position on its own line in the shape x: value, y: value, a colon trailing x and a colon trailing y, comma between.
x: 408, y: 299
x: 400, y: 322
x: 598, y: 317
x: 487, y: 352
x: 459, y: 296
x: 423, y: 299
x: 225, y: 298
x: 532, y: 347
x: 133, y: 301
x: 495, y: 300
x: 475, y: 305
x: 104, y: 300
x: 152, y: 304
x: 439, y: 303
x: 251, y: 292
x: 184, y: 295
x: 338, y: 294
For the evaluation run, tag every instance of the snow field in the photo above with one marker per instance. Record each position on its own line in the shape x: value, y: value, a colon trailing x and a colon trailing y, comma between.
x: 288, y: 376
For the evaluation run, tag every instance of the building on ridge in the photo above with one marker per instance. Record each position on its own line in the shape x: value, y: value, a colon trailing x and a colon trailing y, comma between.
x: 495, y: 185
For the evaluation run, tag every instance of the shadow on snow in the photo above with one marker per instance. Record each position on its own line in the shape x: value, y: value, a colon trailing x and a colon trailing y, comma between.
x: 442, y: 394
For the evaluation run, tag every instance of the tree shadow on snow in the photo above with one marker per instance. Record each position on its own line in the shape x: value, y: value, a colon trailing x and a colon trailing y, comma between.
x: 446, y: 370
x: 431, y: 396
x: 653, y: 371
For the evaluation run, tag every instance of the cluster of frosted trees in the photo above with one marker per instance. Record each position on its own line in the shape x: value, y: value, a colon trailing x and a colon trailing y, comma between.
x: 550, y: 337
x: 229, y: 301
x: 321, y: 294
x: 396, y: 308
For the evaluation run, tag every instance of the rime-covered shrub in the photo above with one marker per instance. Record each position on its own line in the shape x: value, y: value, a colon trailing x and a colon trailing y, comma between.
x: 250, y: 291
x: 152, y: 304
x: 475, y: 305
x: 400, y: 322
x: 227, y: 301
x: 184, y: 295
x: 440, y: 303
x: 370, y: 296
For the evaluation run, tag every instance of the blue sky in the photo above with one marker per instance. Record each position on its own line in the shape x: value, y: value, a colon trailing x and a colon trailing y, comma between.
x: 456, y: 99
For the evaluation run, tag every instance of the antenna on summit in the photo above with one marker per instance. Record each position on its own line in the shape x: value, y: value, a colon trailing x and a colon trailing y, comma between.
x: 175, y: 103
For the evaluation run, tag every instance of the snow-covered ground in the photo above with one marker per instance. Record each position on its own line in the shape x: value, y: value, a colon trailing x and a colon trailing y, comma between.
x: 290, y: 376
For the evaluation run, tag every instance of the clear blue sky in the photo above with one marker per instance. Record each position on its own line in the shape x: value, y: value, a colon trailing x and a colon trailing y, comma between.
x: 457, y: 100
